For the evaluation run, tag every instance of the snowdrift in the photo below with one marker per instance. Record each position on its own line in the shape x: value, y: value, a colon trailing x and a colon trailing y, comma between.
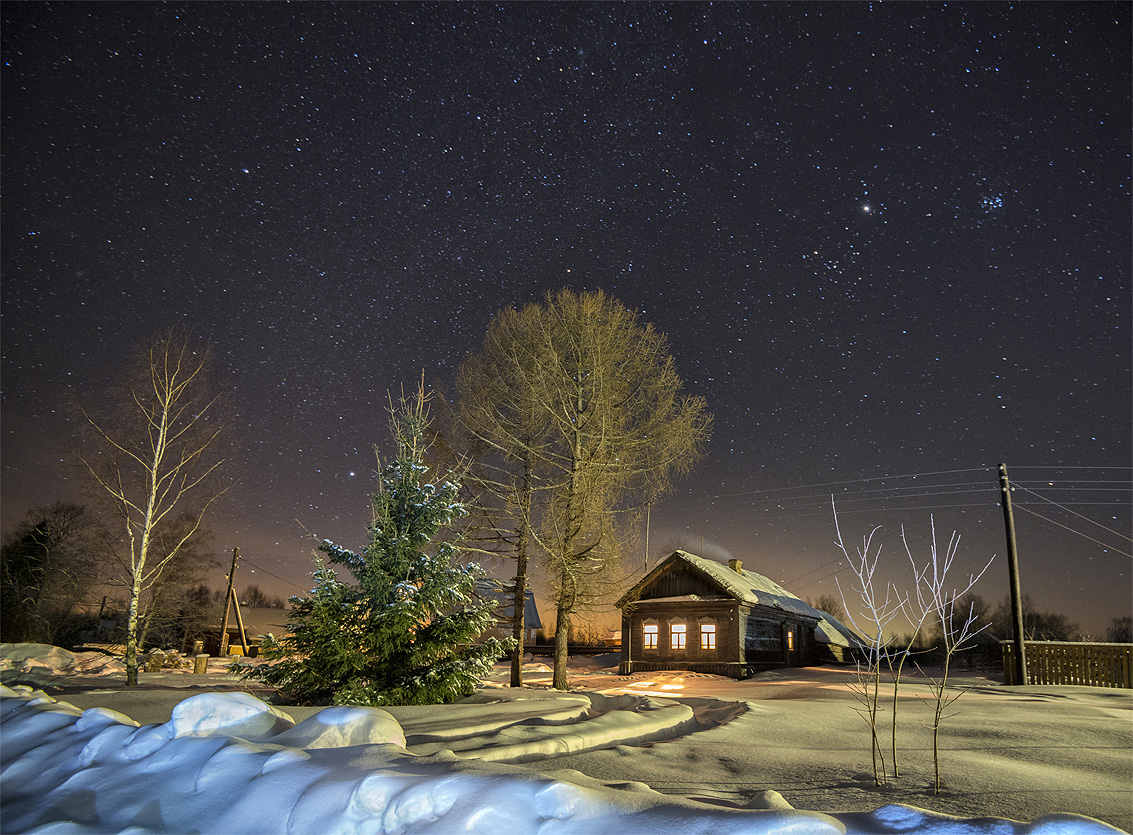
x: 229, y: 763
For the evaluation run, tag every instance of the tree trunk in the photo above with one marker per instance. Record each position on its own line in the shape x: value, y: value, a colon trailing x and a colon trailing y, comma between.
x: 132, y: 636
x: 568, y: 591
x: 562, y: 635
x: 520, y: 599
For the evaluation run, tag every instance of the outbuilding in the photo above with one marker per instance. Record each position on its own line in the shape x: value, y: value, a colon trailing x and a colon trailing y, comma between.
x: 503, y: 592
x: 692, y: 613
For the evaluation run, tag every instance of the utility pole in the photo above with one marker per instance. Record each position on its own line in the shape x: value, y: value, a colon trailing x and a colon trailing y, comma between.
x: 227, y: 605
x: 648, y: 508
x: 1013, y: 572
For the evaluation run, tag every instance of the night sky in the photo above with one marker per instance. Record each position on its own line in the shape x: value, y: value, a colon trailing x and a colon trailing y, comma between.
x: 890, y: 244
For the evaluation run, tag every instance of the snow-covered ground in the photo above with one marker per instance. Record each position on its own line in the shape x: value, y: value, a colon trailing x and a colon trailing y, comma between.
x: 661, y: 752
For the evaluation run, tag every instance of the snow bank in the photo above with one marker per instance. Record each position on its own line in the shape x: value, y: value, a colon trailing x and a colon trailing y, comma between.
x: 66, y: 771
x: 44, y: 658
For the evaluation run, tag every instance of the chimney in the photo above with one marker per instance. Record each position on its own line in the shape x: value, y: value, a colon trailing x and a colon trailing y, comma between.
x: 736, y: 566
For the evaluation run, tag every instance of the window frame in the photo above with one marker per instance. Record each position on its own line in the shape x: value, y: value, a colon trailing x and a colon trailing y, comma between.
x: 678, y: 627
x: 650, y: 628
x: 708, y: 631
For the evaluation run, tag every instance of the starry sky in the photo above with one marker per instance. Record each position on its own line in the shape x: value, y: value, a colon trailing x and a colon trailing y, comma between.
x: 889, y: 244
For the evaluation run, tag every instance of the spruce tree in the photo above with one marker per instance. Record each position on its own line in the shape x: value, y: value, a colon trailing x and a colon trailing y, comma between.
x: 404, y: 633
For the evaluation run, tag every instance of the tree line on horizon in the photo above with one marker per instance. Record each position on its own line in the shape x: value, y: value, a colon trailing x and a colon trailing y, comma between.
x: 64, y: 582
x: 1037, y: 625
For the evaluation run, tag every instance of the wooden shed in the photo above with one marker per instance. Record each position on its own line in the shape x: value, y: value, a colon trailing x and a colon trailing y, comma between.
x: 692, y: 613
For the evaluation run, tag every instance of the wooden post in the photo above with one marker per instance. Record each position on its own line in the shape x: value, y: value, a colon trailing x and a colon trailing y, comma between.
x: 240, y: 626
x: 227, y: 603
x: 648, y: 510
x: 1013, y: 573
x: 200, y: 664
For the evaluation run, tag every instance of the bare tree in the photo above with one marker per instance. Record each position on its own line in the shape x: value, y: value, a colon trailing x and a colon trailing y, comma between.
x: 256, y: 598
x: 1037, y: 626
x: 957, y: 626
x: 154, y: 456
x: 501, y: 414
x: 49, y: 564
x: 830, y: 604
x: 1120, y: 630
x: 583, y: 405
x: 873, y: 612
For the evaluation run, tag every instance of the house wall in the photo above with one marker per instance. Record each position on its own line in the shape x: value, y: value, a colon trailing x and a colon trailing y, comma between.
x: 722, y: 614
x: 772, y: 639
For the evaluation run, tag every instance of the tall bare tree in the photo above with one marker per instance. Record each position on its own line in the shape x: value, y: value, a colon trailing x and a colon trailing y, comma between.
x: 154, y: 455
x: 583, y: 404
x: 502, y: 417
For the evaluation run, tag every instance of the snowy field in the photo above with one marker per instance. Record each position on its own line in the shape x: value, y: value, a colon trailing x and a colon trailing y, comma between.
x: 662, y: 752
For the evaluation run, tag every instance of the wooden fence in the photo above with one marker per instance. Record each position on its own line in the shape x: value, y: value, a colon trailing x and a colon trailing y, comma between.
x: 1058, y: 662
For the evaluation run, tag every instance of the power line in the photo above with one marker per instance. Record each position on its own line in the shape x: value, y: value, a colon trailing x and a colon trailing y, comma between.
x: 1079, y: 515
x: 1097, y: 504
x: 899, y: 509
x: 1079, y: 481
x: 851, y: 481
x: 1059, y: 524
x: 858, y: 495
x: 1064, y: 467
x: 276, y: 576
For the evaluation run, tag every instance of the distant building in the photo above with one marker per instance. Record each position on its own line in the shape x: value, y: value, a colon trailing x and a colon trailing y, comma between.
x: 691, y: 613
x: 503, y: 591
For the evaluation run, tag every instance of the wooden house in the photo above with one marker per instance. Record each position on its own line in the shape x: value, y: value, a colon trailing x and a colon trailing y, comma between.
x: 503, y: 592
x: 692, y: 613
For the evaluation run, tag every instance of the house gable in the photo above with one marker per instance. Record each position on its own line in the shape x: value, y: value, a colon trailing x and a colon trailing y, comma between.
x: 681, y: 580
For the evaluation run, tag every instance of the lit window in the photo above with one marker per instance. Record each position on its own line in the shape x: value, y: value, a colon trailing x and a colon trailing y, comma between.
x: 678, y: 634
x: 708, y: 636
x: 791, y: 639
x: 649, y: 633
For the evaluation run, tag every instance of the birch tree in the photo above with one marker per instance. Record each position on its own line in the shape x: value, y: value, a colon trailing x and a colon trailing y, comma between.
x: 154, y: 455
x: 583, y: 404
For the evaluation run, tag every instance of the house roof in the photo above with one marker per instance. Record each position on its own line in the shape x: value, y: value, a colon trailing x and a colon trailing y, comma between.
x: 755, y: 590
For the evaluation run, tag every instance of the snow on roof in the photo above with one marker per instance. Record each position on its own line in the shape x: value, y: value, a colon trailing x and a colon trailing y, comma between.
x: 757, y: 590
